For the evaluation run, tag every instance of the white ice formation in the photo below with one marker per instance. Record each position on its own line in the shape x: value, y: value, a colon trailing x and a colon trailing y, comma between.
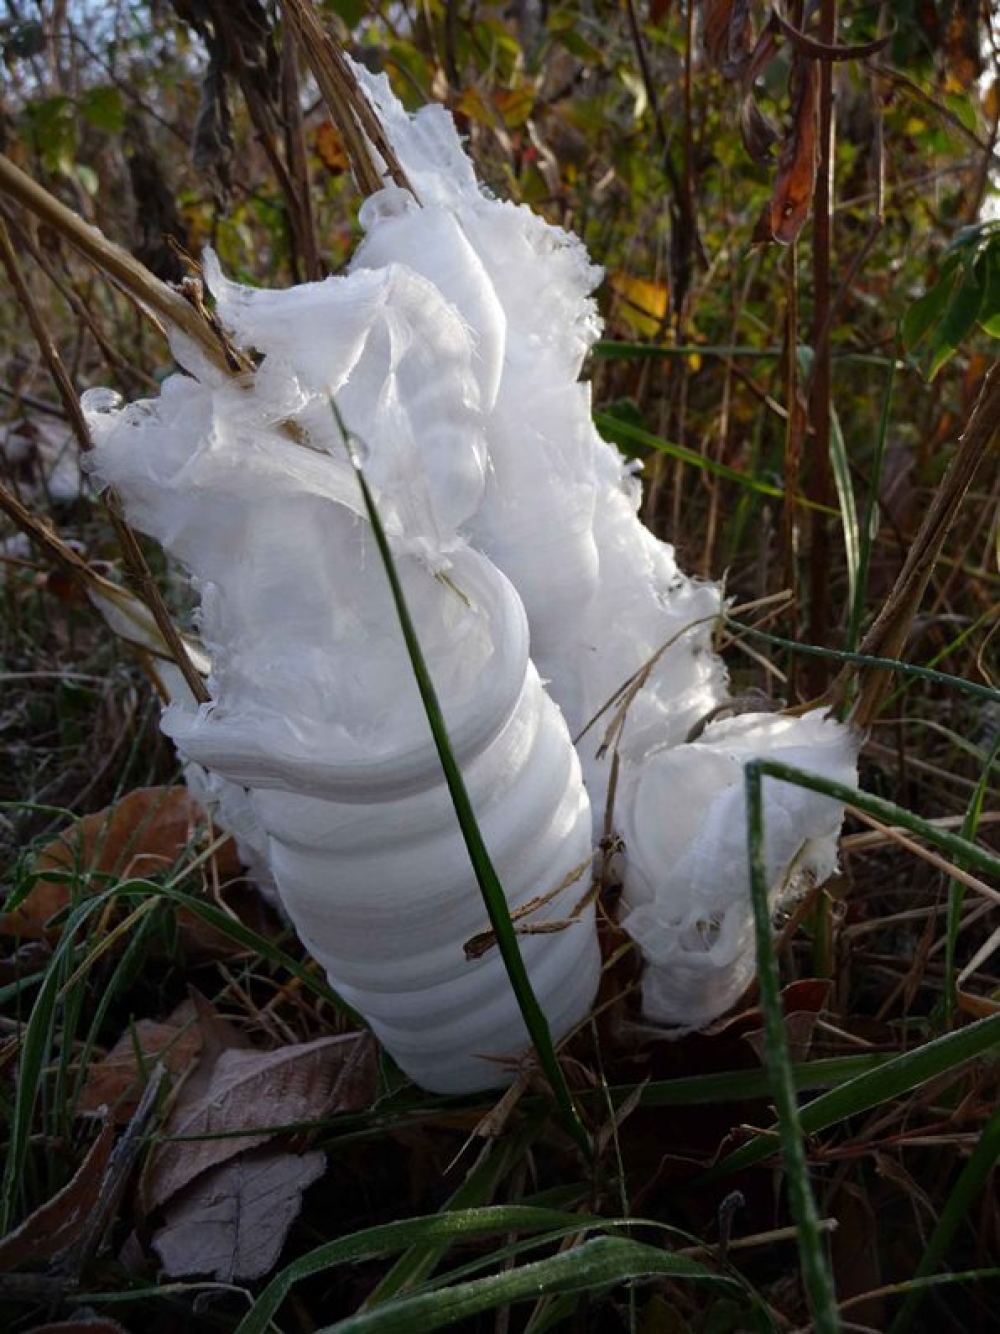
x: 697, y: 935
x: 452, y: 349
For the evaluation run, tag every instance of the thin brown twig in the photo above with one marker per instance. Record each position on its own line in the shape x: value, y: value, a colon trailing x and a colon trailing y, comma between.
x: 159, y: 299
x: 135, y: 561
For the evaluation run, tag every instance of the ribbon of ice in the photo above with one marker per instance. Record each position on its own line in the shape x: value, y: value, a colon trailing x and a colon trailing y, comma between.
x: 453, y: 350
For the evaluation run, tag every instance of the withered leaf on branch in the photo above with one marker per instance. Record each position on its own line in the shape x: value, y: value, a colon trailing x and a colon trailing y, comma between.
x: 247, y: 1093
x: 57, y: 1224
x: 232, y: 1222
x: 758, y: 134
x: 728, y: 35
x: 785, y: 215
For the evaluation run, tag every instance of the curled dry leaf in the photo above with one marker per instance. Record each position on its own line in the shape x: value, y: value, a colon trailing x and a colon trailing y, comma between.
x: 117, y: 1081
x: 248, y: 1093
x: 728, y: 35
x: 789, y: 206
x: 232, y: 1222
x: 59, y: 1222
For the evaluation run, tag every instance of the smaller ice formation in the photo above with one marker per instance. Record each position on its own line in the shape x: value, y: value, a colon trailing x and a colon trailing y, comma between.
x: 687, y: 883
x: 453, y: 350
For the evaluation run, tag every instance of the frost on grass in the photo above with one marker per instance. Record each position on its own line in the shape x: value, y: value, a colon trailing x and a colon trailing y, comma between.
x: 453, y: 349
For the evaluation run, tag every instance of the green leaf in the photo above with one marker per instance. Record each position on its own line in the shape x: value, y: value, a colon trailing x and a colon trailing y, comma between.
x: 25, y: 40
x: 989, y: 311
x: 53, y: 129
x: 103, y: 108
x: 924, y: 313
x: 963, y: 308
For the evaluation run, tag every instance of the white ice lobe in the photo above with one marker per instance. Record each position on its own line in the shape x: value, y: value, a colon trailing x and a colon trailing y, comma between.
x: 315, y: 712
x: 453, y: 349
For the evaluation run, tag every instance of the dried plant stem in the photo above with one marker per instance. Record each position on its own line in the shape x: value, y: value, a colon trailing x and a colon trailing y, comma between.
x: 887, y: 635
x: 159, y: 299
x: 821, y: 379
x: 135, y: 561
x: 350, y: 109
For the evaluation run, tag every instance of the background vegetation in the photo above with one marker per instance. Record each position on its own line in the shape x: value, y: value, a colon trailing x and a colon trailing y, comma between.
x: 794, y: 358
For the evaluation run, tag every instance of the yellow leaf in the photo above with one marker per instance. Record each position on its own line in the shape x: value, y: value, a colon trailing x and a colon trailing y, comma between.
x: 641, y: 304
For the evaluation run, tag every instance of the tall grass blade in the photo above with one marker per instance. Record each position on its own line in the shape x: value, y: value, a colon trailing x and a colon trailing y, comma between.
x: 816, y: 1273
x: 868, y: 660
x: 489, y: 883
x: 627, y: 433
x: 969, y: 1186
x: 841, y: 467
x: 474, y: 1191
x: 956, y: 890
x: 390, y: 1238
x: 603, y: 1262
x: 869, y: 525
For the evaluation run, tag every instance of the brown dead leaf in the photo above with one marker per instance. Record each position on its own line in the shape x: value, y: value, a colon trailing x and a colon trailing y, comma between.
x: 799, y: 1029
x: 232, y: 1222
x: 246, y: 1093
x: 57, y: 1224
x: 795, y: 184
x: 728, y: 35
x: 145, y: 832
x: 117, y: 1080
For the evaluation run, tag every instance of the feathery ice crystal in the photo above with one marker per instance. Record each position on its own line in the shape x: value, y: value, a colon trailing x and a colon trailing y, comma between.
x: 452, y: 349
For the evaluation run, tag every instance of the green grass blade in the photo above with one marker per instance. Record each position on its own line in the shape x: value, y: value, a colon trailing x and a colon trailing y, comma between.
x: 610, y: 349
x: 391, y: 1238
x: 956, y: 890
x: 474, y: 1191
x: 489, y: 883
x: 868, y: 660
x: 869, y: 525
x: 969, y: 1186
x: 816, y: 1273
x: 603, y: 1262
x: 841, y: 467
x: 898, y: 1075
x: 614, y: 428
x: 960, y: 849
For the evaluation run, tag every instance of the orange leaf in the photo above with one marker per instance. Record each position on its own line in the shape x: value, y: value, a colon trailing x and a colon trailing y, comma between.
x: 330, y: 149
x: 147, y: 832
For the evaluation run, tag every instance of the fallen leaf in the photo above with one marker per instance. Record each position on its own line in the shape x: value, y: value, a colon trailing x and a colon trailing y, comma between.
x: 118, y: 1079
x: 232, y: 1222
x: 57, y: 1224
x: 799, y: 1029
x: 146, y: 832
x: 248, y: 1092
